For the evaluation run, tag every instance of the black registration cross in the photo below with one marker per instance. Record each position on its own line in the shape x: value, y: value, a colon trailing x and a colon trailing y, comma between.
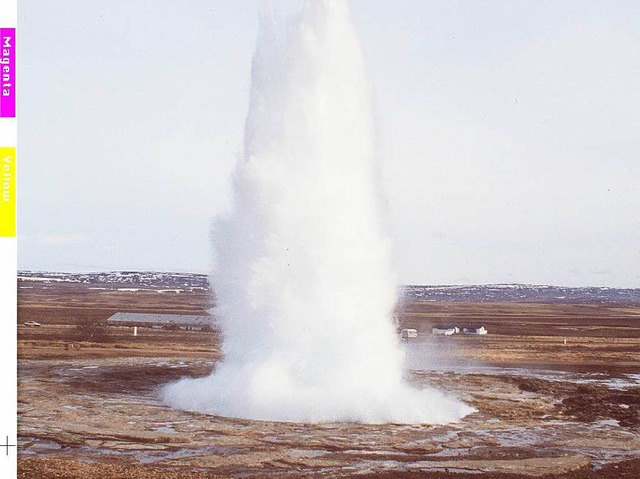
x: 6, y: 445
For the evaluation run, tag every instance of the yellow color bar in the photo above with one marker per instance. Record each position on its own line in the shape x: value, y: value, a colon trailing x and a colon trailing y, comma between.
x: 7, y: 191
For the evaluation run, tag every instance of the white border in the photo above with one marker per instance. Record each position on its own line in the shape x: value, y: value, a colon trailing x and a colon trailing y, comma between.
x: 8, y: 352
x: 8, y: 295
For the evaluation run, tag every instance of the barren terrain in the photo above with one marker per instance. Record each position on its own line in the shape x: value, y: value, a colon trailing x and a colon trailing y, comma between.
x: 545, y: 408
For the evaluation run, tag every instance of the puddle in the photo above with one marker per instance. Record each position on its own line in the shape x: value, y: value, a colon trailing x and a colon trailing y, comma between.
x: 151, y: 457
x: 39, y: 446
x: 83, y: 368
x: 305, y: 453
x: 166, y: 427
x: 622, y: 381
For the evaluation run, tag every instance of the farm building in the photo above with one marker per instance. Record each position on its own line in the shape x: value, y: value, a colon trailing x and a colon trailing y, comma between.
x: 445, y: 330
x: 187, y: 322
x: 474, y: 330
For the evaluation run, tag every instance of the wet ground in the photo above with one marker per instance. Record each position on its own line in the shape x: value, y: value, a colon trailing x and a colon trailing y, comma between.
x: 556, y: 388
x: 532, y: 422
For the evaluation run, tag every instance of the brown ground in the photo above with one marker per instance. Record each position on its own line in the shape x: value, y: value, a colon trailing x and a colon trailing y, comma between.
x: 90, y: 409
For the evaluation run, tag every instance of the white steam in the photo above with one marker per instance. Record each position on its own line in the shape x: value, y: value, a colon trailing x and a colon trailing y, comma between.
x: 303, y: 280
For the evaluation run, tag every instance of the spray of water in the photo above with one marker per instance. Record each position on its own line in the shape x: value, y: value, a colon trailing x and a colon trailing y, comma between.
x: 303, y: 280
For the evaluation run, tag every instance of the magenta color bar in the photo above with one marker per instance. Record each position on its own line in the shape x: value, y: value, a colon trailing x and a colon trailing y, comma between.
x: 7, y: 72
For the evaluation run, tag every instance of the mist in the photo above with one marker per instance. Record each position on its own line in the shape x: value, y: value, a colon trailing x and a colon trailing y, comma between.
x: 303, y: 277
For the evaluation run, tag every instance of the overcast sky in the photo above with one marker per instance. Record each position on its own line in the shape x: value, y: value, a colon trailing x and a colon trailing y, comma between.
x: 509, y: 134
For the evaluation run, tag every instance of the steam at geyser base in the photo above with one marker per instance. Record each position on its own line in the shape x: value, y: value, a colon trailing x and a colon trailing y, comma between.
x: 303, y: 282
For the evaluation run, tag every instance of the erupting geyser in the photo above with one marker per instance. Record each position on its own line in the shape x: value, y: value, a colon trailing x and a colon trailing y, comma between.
x: 303, y: 281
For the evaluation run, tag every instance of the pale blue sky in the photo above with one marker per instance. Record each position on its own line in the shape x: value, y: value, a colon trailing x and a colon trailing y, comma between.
x: 509, y: 134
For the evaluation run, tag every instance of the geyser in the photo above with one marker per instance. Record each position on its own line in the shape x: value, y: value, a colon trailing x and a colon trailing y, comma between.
x: 303, y: 279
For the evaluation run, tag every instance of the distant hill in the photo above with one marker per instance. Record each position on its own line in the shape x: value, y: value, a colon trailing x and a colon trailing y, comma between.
x: 191, y: 282
x: 522, y: 293
x: 130, y: 280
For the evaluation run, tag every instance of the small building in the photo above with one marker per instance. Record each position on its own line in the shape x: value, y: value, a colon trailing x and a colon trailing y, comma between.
x: 479, y: 330
x: 185, y: 322
x: 445, y: 330
x: 406, y: 334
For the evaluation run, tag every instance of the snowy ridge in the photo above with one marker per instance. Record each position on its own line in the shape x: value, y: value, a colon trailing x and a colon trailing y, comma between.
x: 120, y: 280
x: 522, y: 293
x: 192, y: 282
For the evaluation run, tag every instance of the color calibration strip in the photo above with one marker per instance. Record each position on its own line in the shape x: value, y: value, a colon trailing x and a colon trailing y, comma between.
x: 7, y: 153
x: 8, y: 68
x: 8, y: 111
x: 8, y: 191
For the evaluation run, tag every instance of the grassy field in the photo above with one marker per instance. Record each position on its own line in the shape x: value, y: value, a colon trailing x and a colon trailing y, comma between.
x: 598, y: 337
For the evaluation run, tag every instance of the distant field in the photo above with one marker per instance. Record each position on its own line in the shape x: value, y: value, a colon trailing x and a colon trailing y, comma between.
x: 72, y: 303
x: 598, y: 335
x: 528, y: 319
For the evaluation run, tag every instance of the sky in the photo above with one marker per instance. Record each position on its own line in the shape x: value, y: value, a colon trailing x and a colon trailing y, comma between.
x: 508, y: 134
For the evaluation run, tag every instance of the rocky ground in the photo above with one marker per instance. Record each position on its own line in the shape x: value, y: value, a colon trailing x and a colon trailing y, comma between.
x: 544, y: 408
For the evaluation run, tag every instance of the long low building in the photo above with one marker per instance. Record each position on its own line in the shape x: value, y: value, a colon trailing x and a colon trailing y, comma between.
x: 188, y: 322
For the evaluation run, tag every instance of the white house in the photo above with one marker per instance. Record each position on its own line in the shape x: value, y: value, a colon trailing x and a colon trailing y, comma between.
x: 445, y: 330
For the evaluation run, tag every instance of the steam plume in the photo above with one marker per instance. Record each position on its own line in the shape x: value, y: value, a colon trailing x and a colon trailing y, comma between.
x: 303, y: 281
